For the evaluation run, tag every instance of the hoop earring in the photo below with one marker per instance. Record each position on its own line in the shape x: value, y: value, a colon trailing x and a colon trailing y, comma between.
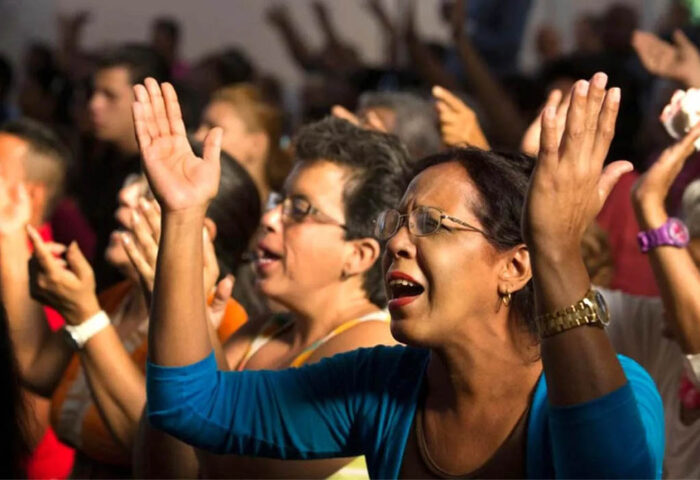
x: 506, y: 299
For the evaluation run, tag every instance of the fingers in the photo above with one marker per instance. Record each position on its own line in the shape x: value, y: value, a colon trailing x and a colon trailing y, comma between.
x: 172, y: 107
x: 345, y: 114
x: 611, y: 174
x: 575, y: 129
x: 144, y: 269
x: 448, y: 99
x: 158, y: 105
x: 223, y: 292
x: 151, y: 212
x: 373, y: 122
x: 680, y: 39
x: 548, y: 156
x: 596, y: 94
x: 41, y: 251
x: 77, y: 262
x: 212, y: 145
x: 143, y: 237
x: 144, y: 114
x: 606, y: 127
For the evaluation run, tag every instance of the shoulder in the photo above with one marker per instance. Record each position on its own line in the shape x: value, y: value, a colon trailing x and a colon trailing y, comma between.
x: 365, y: 334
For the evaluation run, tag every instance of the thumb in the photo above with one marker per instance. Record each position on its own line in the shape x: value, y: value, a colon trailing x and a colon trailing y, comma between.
x: 680, y: 39
x: 77, y: 261
x: 212, y: 145
x: 223, y: 292
x: 611, y: 174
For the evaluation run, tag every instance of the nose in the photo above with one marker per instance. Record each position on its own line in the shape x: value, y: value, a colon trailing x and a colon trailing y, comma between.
x: 271, y: 220
x: 401, y: 244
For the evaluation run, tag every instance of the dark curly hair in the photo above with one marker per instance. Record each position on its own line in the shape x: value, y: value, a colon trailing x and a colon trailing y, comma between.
x: 379, y: 166
x: 502, y: 181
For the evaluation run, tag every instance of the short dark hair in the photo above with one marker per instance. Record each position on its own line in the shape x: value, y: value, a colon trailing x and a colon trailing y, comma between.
x: 140, y: 60
x: 235, y: 210
x: 502, y: 181
x: 168, y: 24
x: 48, y: 157
x: 379, y: 167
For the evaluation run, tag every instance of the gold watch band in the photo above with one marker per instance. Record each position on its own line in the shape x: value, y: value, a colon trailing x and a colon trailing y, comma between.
x: 590, y: 310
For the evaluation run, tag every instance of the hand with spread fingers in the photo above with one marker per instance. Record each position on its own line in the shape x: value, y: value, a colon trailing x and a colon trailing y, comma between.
x: 458, y: 123
x: 67, y: 286
x: 15, y: 208
x: 650, y: 191
x: 530, y: 143
x: 569, y: 185
x: 678, y: 61
x: 369, y: 121
x: 179, y: 179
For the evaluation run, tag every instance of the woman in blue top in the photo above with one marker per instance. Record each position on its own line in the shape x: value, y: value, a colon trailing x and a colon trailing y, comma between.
x: 468, y: 397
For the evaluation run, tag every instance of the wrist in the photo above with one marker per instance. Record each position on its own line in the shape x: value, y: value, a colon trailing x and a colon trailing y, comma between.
x: 83, y: 312
x: 651, y: 214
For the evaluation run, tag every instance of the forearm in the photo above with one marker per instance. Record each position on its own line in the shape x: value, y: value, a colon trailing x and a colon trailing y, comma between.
x: 498, y: 105
x: 678, y: 280
x: 580, y: 364
x: 178, y: 326
x: 115, y: 380
x: 296, y: 45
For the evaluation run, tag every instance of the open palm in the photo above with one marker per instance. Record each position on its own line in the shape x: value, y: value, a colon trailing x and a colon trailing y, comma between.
x: 178, y: 178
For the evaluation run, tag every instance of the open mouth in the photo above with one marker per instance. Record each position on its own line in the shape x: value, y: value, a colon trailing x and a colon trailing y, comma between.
x: 265, y: 257
x: 401, y: 288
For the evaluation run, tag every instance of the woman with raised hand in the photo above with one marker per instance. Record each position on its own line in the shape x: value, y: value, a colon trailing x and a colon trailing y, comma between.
x: 317, y: 257
x: 468, y: 396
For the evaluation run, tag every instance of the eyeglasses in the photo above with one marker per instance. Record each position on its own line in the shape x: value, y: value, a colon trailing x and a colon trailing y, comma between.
x: 422, y: 221
x: 297, y: 208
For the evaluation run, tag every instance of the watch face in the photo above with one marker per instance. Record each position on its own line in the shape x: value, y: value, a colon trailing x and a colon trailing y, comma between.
x: 602, y: 308
x: 678, y: 232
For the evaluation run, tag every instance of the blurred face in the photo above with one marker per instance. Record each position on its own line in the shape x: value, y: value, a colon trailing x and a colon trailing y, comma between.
x: 237, y: 141
x: 110, y: 106
x: 438, y: 284
x: 134, y: 188
x: 296, y: 258
x: 12, y: 154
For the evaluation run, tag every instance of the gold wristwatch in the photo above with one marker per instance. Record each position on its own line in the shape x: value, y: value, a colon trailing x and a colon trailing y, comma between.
x: 591, y: 310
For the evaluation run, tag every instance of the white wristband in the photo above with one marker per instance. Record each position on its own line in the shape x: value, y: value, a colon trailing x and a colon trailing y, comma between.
x: 80, y: 334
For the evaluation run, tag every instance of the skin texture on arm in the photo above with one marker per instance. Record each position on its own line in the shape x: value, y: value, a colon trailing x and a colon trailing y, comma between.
x: 566, y: 192
x: 677, y: 276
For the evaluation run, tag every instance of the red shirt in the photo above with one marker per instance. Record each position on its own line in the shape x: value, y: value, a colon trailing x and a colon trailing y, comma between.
x: 51, y: 458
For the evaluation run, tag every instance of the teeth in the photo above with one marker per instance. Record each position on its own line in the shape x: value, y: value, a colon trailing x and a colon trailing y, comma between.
x: 405, y: 283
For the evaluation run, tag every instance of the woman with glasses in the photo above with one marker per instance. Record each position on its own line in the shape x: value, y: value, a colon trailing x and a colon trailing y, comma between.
x: 493, y: 383
x: 317, y: 259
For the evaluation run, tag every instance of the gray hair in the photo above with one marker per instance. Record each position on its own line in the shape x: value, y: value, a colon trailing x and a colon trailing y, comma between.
x: 691, y: 208
x: 417, y: 123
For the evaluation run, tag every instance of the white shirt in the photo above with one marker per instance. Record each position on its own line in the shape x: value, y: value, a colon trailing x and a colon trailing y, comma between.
x: 636, y: 331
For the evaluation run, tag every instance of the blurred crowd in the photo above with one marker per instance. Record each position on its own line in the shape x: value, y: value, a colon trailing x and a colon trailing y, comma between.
x: 125, y: 170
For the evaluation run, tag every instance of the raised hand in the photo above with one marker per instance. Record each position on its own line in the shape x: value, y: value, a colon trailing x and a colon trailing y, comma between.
x: 15, y: 208
x: 458, y: 122
x: 68, y: 287
x: 678, y: 61
x: 530, y: 143
x: 650, y: 191
x: 569, y: 185
x: 369, y: 121
x: 180, y: 180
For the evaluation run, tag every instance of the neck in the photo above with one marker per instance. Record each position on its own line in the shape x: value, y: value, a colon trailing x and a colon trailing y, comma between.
x: 327, y: 309
x: 490, y: 368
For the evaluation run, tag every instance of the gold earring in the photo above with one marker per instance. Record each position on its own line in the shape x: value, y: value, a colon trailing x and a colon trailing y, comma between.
x: 507, y: 298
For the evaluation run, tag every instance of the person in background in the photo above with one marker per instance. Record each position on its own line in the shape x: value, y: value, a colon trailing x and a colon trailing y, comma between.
x: 165, y: 40
x: 317, y: 257
x: 475, y: 364
x: 106, y: 164
x: 663, y: 333
x: 252, y: 128
x: 32, y: 166
x: 97, y: 387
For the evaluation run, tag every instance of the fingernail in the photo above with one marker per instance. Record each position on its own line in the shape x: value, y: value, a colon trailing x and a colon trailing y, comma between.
x: 582, y: 87
x: 550, y: 112
x: 615, y: 94
x: 135, y: 216
x: 125, y: 238
x: 144, y: 204
x: 600, y: 79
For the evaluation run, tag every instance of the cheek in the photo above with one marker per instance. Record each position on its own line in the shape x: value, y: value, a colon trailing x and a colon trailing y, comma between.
x: 312, y: 255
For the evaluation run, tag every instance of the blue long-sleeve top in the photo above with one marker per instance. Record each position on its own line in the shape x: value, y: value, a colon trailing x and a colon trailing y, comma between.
x: 364, y: 402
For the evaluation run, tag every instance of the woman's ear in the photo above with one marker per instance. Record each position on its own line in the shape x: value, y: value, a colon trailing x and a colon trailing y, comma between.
x: 361, y: 254
x: 516, y: 270
x: 211, y: 227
